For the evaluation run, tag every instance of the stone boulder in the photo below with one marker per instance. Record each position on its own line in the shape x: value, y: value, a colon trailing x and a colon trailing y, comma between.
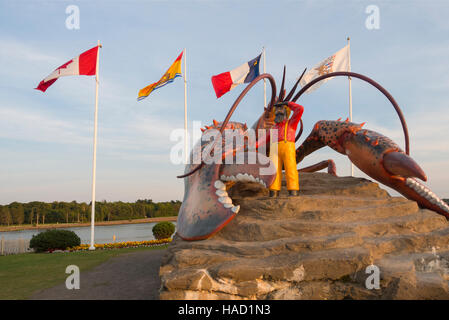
x: 317, y: 245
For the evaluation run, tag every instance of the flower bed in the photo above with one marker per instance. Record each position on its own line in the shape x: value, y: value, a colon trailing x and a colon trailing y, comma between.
x: 118, y: 245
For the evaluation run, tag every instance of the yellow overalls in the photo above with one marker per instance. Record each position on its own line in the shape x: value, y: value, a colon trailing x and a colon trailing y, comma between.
x: 283, y: 154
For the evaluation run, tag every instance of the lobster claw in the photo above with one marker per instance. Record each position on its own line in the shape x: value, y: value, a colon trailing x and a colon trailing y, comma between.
x: 398, y: 163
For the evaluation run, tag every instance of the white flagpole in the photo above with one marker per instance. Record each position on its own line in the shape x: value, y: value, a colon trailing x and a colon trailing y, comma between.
x: 264, y: 80
x: 94, y: 162
x: 350, y: 93
x: 186, y: 156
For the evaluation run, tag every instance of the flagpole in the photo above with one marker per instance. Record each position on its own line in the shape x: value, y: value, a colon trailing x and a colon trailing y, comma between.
x: 185, y: 107
x: 264, y: 80
x: 350, y: 92
x: 94, y: 162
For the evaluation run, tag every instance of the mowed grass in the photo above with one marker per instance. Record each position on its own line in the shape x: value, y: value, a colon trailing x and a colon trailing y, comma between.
x: 23, y: 274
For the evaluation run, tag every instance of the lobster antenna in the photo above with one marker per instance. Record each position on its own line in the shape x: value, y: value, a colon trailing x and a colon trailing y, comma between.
x: 282, y: 91
x: 300, y: 130
x: 292, y: 92
x: 231, y: 111
x: 371, y: 82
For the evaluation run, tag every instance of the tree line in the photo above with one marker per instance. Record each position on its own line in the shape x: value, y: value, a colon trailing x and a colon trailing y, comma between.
x: 37, y: 212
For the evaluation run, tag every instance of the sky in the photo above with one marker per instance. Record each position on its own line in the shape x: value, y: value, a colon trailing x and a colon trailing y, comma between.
x: 46, y: 139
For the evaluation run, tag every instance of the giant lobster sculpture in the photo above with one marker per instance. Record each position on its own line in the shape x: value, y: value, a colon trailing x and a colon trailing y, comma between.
x: 207, y: 207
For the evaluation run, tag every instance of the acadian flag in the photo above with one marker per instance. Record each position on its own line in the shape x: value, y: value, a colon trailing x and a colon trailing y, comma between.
x: 84, y: 64
x: 227, y: 81
x: 337, y: 62
x: 173, y: 72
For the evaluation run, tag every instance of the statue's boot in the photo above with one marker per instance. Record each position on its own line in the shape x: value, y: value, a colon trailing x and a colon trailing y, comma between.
x: 274, y: 193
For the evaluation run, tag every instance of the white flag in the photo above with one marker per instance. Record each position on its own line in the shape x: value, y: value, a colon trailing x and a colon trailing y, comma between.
x: 337, y: 62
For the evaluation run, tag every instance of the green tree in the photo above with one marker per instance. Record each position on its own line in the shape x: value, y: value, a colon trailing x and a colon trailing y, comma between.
x: 17, y: 213
x: 62, y: 212
x: 31, y: 215
x: 84, y: 212
x: 5, y: 216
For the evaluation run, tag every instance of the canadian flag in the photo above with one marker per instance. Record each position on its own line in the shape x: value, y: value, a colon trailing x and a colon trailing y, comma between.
x: 84, y: 64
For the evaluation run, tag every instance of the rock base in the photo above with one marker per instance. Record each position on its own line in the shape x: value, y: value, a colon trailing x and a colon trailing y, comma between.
x: 315, y: 246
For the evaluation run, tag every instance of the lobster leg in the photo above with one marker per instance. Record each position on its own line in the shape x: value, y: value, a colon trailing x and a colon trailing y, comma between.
x: 329, y: 164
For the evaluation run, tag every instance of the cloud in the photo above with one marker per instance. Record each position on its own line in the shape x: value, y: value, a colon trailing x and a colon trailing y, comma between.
x: 17, y: 50
x: 427, y: 130
x: 35, y: 126
x: 139, y: 134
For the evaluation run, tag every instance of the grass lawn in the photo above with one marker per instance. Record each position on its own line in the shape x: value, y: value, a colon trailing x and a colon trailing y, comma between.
x: 23, y: 274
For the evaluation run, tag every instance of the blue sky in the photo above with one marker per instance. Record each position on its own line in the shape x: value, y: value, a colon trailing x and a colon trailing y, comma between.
x: 46, y: 138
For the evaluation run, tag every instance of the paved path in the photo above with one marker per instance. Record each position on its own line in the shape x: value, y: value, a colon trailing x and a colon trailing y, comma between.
x: 131, y: 276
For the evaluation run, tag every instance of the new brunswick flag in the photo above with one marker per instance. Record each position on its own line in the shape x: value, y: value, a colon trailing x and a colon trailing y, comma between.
x: 173, y: 72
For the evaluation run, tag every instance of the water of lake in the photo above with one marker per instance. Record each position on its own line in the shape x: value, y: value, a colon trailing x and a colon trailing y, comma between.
x: 103, y: 234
